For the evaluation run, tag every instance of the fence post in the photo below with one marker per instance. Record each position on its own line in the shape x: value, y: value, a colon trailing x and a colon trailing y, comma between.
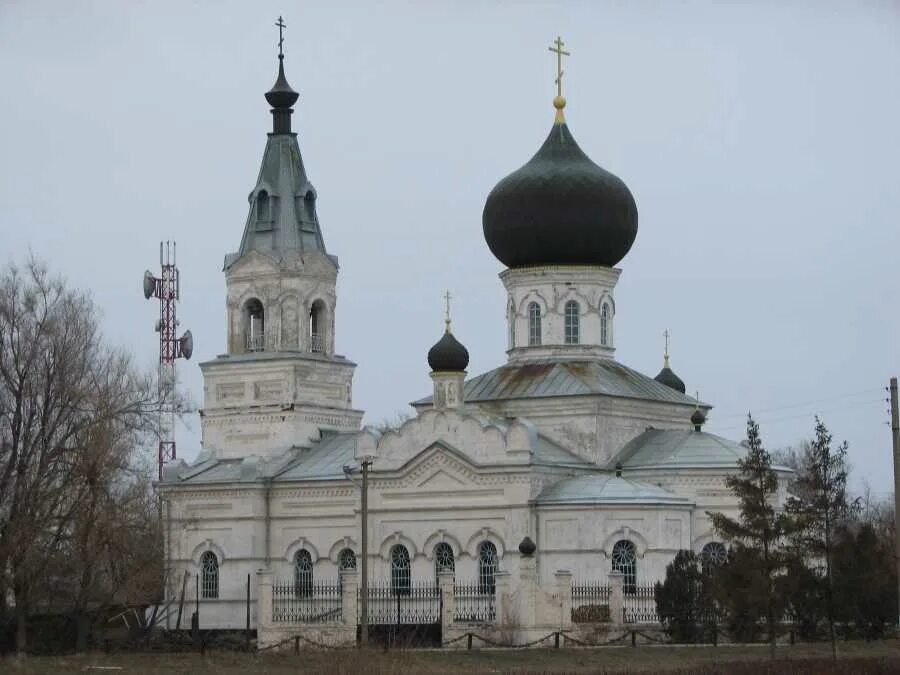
x: 264, y: 581
x: 349, y: 593
x: 501, y: 596
x: 556, y: 640
x: 633, y: 639
x: 616, y: 597
x: 448, y: 599
x: 469, y: 641
x: 564, y: 590
x: 715, y: 635
x: 296, y: 644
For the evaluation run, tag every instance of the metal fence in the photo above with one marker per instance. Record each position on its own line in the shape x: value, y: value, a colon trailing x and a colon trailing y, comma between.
x: 307, y: 603
x: 413, y: 604
x: 640, y: 606
x: 474, y: 603
x: 590, y: 602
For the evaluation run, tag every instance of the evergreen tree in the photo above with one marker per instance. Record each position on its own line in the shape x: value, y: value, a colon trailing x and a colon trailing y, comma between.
x: 758, y: 533
x: 820, y: 506
x: 679, y: 599
x: 865, y: 581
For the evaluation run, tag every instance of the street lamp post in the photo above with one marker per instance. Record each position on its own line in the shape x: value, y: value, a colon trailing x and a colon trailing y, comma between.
x: 364, y: 464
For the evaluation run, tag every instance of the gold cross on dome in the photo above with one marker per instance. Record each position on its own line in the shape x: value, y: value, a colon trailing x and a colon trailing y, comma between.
x: 667, y: 335
x: 281, y: 26
x: 447, y: 297
x: 558, y: 49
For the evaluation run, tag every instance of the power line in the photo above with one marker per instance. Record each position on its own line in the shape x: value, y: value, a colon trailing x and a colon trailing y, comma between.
x: 800, y: 405
x: 763, y: 421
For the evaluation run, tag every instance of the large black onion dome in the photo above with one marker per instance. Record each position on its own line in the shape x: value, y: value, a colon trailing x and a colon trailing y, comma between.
x: 668, y: 377
x: 281, y: 95
x: 448, y: 354
x: 560, y: 209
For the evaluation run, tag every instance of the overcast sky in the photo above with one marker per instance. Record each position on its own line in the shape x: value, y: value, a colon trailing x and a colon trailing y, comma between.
x: 760, y: 141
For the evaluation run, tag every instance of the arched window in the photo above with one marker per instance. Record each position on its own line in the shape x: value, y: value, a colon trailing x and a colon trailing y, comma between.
x: 534, y: 324
x: 346, y: 560
x: 604, y: 325
x: 443, y: 559
x: 624, y: 560
x: 255, y: 325
x: 317, y: 327
x: 263, y: 207
x: 714, y: 554
x: 209, y: 575
x: 303, y: 573
x: 399, y: 570
x: 572, y: 323
x: 488, y: 563
x: 511, y: 320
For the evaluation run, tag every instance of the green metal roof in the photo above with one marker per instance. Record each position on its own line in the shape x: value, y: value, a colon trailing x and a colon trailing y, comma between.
x: 671, y: 448
x: 552, y: 378
x: 607, y: 489
x: 292, y: 225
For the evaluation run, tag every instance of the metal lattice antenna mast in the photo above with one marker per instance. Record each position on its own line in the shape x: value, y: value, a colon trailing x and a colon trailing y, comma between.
x: 166, y: 289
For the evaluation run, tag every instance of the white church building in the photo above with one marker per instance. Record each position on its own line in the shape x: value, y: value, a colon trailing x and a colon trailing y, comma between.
x: 603, y: 468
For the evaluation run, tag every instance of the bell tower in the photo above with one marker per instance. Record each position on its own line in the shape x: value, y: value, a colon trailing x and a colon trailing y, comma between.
x: 280, y: 384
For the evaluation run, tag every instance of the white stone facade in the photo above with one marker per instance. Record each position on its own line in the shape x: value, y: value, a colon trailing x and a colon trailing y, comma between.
x: 548, y: 332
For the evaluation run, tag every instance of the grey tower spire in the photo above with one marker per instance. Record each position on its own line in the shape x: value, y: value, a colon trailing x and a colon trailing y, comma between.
x: 282, y: 220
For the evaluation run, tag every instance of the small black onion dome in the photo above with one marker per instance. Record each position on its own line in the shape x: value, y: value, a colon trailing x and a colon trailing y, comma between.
x: 698, y: 419
x: 281, y: 95
x: 560, y: 209
x: 448, y: 354
x: 668, y: 377
x: 527, y: 547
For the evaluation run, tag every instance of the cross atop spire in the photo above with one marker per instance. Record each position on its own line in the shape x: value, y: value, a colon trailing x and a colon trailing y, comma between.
x: 560, y: 52
x: 667, y: 335
x: 447, y: 297
x: 281, y: 26
x: 560, y: 101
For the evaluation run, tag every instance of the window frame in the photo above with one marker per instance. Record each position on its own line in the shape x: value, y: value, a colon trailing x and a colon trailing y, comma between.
x: 442, y: 548
x: 534, y: 324
x: 572, y: 322
x: 209, y: 576
x: 401, y: 565
x: 488, y: 566
x: 624, y: 560
x: 604, y: 325
x: 303, y: 573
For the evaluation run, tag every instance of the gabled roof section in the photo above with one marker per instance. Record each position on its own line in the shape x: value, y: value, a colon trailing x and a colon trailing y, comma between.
x: 606, y: 489
x: 282, y: 219
x: 325, y: 460
x: 552, y: 378
x: 676, y: 448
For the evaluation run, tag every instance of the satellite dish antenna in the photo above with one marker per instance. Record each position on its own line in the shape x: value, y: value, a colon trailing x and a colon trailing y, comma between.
x: 149, y: 284
x: 186, y: 342
x: 158, y: 325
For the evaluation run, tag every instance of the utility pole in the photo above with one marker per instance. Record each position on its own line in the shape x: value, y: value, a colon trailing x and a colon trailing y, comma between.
x: 364, y: 584
x: 895, y: 436
x: 364, y: 464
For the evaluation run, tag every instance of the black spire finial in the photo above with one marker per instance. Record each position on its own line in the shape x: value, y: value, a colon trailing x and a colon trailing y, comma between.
x: 281, y: 97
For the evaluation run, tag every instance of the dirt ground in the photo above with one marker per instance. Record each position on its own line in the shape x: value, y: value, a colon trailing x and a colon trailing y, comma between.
x: 858, y: 658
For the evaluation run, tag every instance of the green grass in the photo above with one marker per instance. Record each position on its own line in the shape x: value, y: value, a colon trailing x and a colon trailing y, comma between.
x: 858, y: 658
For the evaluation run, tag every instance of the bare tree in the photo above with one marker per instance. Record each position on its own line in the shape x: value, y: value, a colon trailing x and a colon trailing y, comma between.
x: 71, y: 410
